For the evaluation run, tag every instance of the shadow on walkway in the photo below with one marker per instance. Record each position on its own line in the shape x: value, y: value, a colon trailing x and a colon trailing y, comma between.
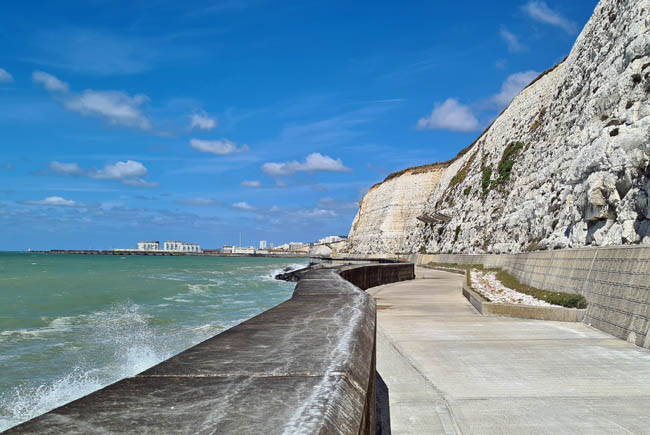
x: 382, y: 416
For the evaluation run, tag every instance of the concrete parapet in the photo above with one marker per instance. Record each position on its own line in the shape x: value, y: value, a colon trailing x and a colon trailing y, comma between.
x: 615, y: 280
x: 306, y: 365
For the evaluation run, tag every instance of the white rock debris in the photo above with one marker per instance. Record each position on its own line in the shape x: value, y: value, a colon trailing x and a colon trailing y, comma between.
x: 488, y: 285
x: 580, y: 175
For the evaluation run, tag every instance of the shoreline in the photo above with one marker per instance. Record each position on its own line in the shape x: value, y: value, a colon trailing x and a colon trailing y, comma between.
x: 165, y: 253
x: 139, y: 308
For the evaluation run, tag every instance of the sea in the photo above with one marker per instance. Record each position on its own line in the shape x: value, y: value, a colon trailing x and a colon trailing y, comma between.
x: 72, y: 324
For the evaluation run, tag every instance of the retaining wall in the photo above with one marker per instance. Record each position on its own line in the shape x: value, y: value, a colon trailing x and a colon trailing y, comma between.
x: 615, y: 280
x: 304, y: 366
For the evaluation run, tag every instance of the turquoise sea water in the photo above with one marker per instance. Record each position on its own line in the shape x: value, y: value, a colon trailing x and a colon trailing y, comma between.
x: 71, y: 324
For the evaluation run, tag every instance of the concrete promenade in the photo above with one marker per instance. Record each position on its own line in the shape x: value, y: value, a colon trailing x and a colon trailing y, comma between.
x: 450, y: 370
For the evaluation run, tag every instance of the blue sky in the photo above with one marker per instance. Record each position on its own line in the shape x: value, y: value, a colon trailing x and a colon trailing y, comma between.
x: 197, y: 120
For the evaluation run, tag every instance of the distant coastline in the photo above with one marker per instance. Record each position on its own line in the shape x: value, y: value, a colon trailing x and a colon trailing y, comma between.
x: 168, y: 253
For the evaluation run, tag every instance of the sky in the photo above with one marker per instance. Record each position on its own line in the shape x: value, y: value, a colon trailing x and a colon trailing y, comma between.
x: 201, y: 120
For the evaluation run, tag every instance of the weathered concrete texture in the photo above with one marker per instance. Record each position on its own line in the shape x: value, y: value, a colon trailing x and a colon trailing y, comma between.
x: 377, y: 274
x: 501, y: 375
x: 556, y: 314
x: 305, y: 366
x: 614, y: 280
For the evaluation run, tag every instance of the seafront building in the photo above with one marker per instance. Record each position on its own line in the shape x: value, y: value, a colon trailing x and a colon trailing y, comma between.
x: 262, y: 244
x: 244, y: 250
x: 331, y: 239
x: 178, y: 246
x: 149, y: 246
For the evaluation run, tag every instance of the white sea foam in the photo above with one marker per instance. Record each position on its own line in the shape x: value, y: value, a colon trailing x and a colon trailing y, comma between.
x: 25, y: 402
x: 55, y: 326
x: 126, y: 342
x: 200, y: 288
x: 105, y: 346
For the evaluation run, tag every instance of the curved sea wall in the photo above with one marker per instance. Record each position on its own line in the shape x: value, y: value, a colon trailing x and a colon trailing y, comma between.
x: 565, y: 165
x: 304, y: 366
x: 614, y: 280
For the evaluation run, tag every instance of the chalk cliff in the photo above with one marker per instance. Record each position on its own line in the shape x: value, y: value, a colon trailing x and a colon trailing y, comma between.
x: 388, y: 213
x: 565, y: 165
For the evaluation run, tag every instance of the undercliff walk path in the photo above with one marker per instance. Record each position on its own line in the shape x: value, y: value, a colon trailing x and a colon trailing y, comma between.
x: 451, y: 370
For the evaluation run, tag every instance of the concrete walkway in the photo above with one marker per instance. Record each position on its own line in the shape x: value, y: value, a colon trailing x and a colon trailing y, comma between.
x: 450, y: 370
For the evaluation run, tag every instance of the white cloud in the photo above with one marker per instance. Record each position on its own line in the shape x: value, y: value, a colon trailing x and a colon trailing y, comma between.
x: 243, y: 206
x: 5, y: 76
x: 121, y: 170
x: 116, y: 107
x: 54, y: 201
x: 219, y: 147
x: 50, y: 82
x: 254, y: 184
x: 328, y: 203
x: 199, y: 202
x: 513, y: 86
x: 314, y: 162
x: 317, y: 213
x: 449, y: 115
x: 202, y: 121
x: 538, y: 10
x: 511, y: 39
x: 66, y: 168
x: 130, y: 172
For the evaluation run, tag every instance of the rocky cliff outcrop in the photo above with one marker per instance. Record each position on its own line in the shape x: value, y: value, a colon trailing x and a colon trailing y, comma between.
x: 387, y: 215
x: 565, y: 165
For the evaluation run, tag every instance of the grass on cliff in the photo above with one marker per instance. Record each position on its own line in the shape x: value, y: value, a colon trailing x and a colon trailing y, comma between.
x: 567, y: 300
x: 507, y: 161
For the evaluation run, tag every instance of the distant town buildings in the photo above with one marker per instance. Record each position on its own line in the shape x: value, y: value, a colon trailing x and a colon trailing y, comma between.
x: 168, y: 246
x: 148, y: 246
x: 265, y: 247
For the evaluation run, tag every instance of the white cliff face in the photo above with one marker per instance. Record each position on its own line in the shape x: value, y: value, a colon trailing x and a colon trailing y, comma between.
x: 388, y: 213
x: 565, y: 165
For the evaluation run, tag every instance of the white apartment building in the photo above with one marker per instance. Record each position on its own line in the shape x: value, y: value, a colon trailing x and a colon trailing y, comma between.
x: 295, y: 245
x: 149, y: 246
x: 262, y: 244
x: 244, y: 250
x: 331, y: 239
x: 178, y: 246
x: 228, y: 249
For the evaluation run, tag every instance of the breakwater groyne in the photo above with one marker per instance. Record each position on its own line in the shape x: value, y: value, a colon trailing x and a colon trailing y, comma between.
x: 304, y: 366
x: 615, y: 280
